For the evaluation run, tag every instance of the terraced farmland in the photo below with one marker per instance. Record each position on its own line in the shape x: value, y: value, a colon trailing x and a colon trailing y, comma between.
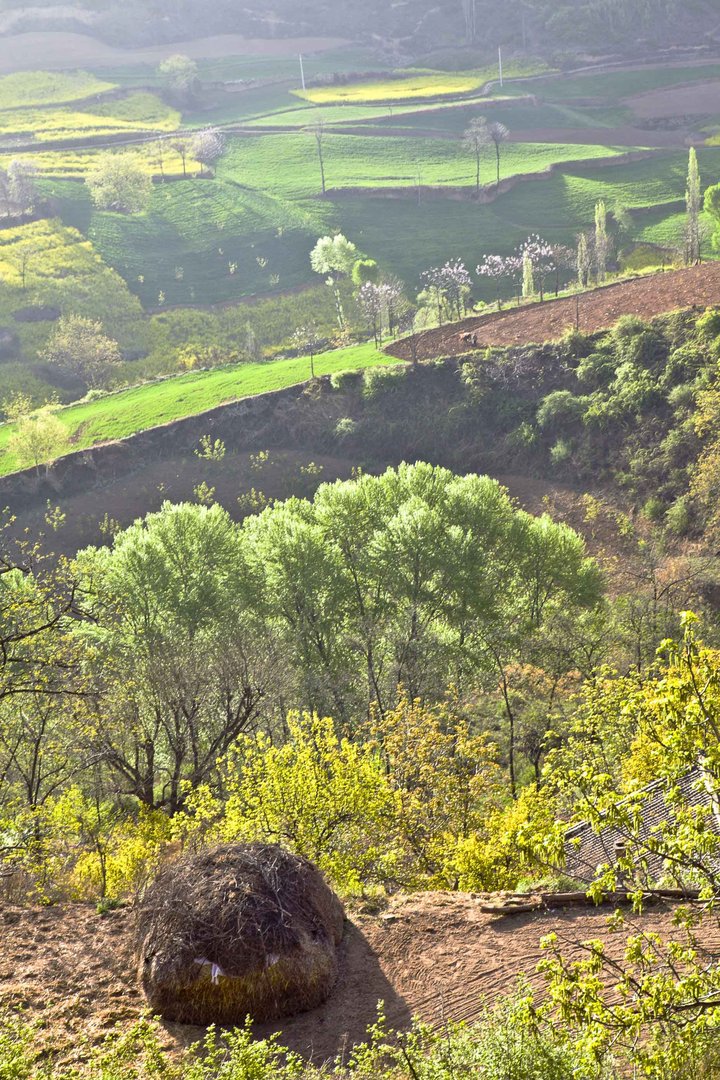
x: 400, y: 183
x: 249, y: 231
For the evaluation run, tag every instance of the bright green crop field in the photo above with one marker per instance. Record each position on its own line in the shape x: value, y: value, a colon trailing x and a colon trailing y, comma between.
x: 287, y: 166
x: 215, y: 241
x: 129, y: 411
x: 521, y: 118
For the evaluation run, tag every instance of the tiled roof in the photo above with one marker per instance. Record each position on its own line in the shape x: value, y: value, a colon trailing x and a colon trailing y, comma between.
x: 587, y: 848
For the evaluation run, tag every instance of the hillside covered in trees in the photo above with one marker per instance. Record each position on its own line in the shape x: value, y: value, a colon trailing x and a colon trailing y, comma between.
x: 410, y: 28
x: 359, y: 531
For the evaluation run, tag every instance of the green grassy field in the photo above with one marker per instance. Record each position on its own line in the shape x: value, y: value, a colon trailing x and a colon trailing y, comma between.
x: 276, y: 105
x: 220, y: 240
x: 129, y: 411
x: 249, y: 231
x: 201, y: 241
x: 287, y: 166
x: 518, y: 118
x: 561, y: 206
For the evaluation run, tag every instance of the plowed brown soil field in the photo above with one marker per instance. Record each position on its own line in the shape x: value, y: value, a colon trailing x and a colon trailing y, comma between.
x: 599, y: 309
x: 436, y: 955
x: 700, y: 99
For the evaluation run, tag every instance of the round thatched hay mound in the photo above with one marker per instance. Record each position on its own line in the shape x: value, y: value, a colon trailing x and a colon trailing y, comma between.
x: 243, y: 929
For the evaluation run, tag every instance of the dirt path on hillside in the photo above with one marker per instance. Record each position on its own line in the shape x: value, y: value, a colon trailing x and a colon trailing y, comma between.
x: 435, y: 955
x: 57, y: 51
x: 599, y: 309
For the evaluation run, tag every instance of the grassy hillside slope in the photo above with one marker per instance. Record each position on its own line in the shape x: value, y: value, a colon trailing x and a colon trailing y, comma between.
x: 129, y: 411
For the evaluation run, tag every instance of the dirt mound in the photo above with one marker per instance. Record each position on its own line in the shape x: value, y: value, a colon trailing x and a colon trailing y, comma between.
x: 599, y: 309
x: 240, y: 929
x: 436, y: 955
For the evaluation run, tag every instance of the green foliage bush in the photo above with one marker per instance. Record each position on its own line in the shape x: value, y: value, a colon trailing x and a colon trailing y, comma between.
x: 654, y: 509
x: 345, y: 380
x: 381, y: 381
x: 561, y: 452
x: 17, y: 1057
x: 345, y: 427
x: 708, y: 325
x: 596, y: 370
x: 524, y: 436
x: 679, y: 517
x: 505, y: 1044
x: 561, y: 409
x: 682, y: 397
x: 627, y: 328
x: 578, y: 344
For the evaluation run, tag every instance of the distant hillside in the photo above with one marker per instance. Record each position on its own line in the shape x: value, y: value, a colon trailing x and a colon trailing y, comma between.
x: 407, y: 27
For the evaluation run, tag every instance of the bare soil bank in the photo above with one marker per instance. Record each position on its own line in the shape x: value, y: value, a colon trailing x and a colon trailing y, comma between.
x: 646, y: 297
x: 435, y: 955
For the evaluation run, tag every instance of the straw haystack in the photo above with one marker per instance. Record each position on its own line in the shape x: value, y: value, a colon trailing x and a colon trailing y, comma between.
x: 243, y: 929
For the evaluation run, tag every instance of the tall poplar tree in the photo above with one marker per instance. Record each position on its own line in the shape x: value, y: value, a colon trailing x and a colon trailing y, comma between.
x: 601, y: 241
x: 693, y: 201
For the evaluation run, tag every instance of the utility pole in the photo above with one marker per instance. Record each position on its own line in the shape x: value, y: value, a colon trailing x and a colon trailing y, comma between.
x: 500, y: 67
x: 302, y: 72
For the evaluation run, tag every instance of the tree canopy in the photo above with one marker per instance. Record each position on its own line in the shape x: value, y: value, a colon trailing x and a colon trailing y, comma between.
x: 119, y: 182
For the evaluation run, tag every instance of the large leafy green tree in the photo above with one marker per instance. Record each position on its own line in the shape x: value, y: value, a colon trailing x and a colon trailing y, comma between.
x: 174, y: 635
x: 416, y: 578
x: 119, y: 182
